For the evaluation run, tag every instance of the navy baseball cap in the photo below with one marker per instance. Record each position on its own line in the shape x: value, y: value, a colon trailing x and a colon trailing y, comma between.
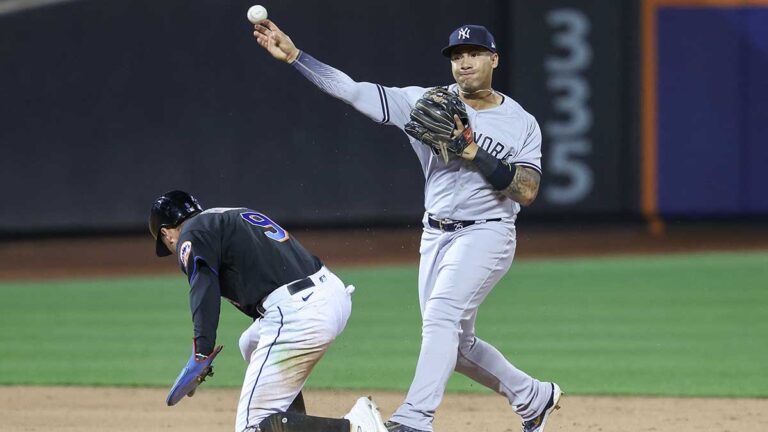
x: 470, y: 35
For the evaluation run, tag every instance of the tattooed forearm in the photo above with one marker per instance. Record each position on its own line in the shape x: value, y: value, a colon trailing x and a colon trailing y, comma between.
x: 517, y: 182
x: 524, y: 186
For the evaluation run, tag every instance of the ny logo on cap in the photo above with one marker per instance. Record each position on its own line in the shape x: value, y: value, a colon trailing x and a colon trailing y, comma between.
x: 464, y: 33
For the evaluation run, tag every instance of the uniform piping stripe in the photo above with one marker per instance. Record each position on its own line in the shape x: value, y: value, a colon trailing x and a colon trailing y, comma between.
x: 384, y: 104
x: 381, y: 101
x: 195, y: 267
x: 253, y: 390
x: 528, y: 165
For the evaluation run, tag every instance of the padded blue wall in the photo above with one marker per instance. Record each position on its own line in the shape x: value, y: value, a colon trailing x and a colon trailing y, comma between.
x: 713, y: 111
x: 755, y: 199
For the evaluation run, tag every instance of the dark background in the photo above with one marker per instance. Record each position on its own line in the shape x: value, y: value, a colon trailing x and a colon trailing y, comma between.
x: 106, y: 104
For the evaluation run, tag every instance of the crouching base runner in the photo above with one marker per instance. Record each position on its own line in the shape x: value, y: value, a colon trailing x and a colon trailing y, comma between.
x: 298, y: 305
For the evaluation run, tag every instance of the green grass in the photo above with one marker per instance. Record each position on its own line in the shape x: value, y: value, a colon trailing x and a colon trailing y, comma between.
x: 693, y: 325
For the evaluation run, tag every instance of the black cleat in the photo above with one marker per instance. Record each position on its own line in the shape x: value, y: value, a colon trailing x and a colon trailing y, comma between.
x: 397, y: 427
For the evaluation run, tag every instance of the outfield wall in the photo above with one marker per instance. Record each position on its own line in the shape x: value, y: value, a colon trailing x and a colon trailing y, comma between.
x: 108, y: 103
x: 707, y: 110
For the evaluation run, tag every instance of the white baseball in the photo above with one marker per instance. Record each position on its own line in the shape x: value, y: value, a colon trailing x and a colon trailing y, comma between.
x: 257, y: 14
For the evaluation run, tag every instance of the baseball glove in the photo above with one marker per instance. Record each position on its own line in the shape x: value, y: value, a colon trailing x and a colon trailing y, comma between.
x: 432, y: 121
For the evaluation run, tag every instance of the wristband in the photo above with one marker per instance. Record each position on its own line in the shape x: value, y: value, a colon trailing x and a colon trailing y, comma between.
x: 498, y: 173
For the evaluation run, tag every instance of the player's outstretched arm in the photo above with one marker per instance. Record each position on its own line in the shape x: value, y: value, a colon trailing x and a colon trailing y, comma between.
x: 383, y: 105
x: 277, y: 43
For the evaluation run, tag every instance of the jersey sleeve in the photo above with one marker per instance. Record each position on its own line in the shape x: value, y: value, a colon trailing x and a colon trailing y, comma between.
x: 400, y: 103
x: 385, y: 105
x: 529, y: 154
x: 199, y: 260
x: 196, y: 248
x: 205, y: 305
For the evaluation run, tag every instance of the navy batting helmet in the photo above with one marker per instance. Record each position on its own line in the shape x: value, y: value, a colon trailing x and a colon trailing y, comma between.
x: 169, y: 210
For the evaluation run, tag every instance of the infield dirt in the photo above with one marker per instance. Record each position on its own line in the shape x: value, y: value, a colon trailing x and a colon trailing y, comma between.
x: 83, y: 409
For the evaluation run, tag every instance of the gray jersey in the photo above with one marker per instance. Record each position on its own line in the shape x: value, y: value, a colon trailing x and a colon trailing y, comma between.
x: 457, y: 269
x: 456, y: 190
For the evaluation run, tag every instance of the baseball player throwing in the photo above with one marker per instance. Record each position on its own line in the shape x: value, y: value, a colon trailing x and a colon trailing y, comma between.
x: 298, y: 307
x: 480, y: 166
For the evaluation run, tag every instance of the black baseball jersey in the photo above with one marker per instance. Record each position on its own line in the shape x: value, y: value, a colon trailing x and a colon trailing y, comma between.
x: 239, y: 254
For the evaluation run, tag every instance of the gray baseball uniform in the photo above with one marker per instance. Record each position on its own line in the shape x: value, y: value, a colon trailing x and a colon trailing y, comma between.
x: 458, y: 269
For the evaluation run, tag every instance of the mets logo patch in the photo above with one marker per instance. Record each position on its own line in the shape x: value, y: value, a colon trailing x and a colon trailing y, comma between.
x: 184, y: 251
